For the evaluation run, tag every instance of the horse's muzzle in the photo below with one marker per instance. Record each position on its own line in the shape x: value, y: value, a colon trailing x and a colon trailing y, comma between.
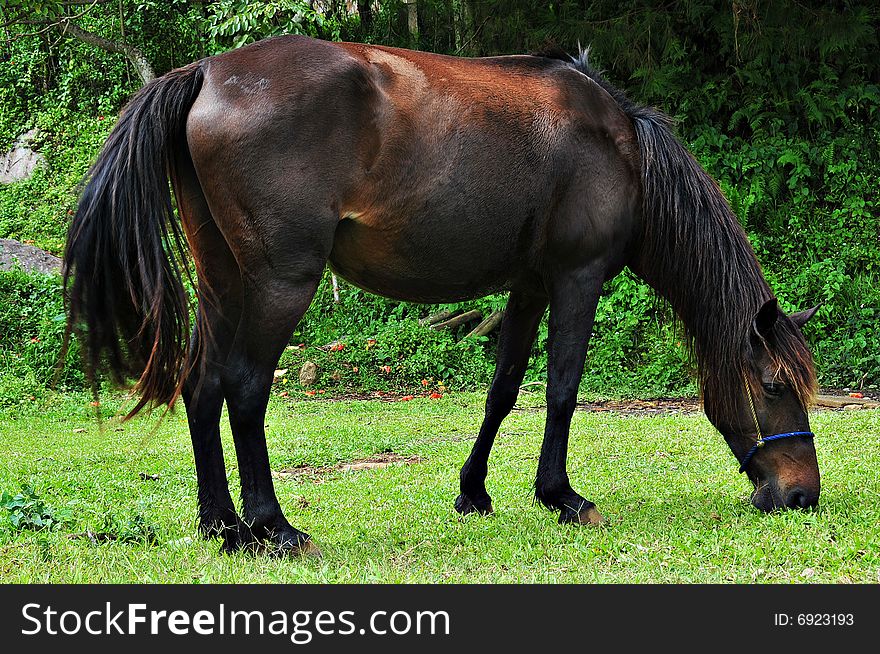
x: 769, y: 497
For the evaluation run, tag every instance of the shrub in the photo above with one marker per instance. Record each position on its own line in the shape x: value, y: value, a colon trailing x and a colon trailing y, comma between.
x: 32, y: 325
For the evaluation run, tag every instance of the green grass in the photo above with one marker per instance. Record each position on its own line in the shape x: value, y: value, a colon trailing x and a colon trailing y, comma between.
x: 676, y: 509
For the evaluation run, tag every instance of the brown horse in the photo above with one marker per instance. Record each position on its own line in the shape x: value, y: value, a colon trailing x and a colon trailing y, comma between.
x: 424, y: 178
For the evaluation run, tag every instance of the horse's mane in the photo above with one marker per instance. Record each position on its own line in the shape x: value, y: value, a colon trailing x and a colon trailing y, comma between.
x: 697, y: 256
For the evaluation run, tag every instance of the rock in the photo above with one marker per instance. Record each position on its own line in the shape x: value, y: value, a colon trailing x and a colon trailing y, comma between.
x: 308, y: 374
x: 851, y: 407
x: 30, y: 258
x: 19, y: 162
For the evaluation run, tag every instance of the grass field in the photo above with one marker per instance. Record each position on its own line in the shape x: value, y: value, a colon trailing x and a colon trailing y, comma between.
x: 676, y: 509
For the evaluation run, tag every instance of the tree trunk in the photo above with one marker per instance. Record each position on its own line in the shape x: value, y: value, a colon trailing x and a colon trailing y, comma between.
x: 335, y: 283
x: 463, y: 26
x: 412, y: 22
x: 365, y: 11
x: 456, y: 26
x: 467, y: 14
x: 135, y: 56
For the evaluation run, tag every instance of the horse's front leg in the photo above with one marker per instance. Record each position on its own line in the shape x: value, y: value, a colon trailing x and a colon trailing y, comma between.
x: 573, y: 299
x: 521, y: 319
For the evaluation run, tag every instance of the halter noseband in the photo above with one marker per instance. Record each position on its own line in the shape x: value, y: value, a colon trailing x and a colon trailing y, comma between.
x: 762, y: 440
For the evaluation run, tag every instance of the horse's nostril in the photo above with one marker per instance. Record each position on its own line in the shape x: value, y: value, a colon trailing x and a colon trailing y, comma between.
x: 800, y: 498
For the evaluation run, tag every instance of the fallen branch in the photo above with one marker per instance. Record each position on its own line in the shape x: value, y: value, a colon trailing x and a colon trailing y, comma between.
x: 534, y: 383
x: 452, y: 323
x: 335, y: 283
x: 440, y: 316
x: 488, y: 325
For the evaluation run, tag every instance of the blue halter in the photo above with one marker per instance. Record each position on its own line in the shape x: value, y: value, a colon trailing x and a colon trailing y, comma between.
x: 763, y: 440
x: 766, y: 439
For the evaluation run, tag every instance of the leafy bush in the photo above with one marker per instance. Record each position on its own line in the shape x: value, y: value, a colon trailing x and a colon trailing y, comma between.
x: 32, y: 325
x: 634, y: 349
x: 27, y: 511
x: 778, y: 102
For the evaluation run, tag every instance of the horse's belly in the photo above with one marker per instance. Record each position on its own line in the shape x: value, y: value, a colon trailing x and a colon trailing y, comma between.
x: 419, y: 265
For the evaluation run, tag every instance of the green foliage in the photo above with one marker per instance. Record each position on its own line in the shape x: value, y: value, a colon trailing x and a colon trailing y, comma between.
x: 37, y: 209
x: 32, y: 326
x: 634, y: 349
x: 779, y: 101
x: 233, y: 23
x: 27, y: 511
x: 132, y: 529
x: 384, y: 347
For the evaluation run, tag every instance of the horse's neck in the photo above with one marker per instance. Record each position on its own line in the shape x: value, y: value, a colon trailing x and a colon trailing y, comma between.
x: 713, y: 282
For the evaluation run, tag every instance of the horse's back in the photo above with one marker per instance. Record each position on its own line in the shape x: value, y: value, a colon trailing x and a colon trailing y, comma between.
x: 418, y: 158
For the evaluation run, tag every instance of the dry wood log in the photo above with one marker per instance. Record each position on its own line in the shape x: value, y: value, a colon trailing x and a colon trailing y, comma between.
x: 488, y: 325
x: 458, y: 320
x: 440, y: 316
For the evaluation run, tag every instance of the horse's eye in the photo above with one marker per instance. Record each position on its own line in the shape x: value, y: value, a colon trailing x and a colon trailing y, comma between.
x: 773, y: 389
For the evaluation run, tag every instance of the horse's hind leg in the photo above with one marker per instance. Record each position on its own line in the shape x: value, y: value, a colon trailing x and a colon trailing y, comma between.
x: 218, y: 316
x: 521, y: 319
x: 271, y: 311
x: 203, y: 397
x: 573, y: 301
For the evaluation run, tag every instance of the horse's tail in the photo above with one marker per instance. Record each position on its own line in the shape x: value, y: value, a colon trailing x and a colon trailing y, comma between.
x: 125, y: 261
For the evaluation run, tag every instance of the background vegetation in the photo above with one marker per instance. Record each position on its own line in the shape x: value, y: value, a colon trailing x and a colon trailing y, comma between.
x: 778, y: 100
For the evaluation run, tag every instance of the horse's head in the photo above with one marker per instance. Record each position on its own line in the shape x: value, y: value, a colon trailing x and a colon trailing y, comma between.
x: 763, y: 416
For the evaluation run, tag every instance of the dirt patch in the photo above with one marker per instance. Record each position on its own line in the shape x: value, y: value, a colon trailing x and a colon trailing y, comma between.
x: 827, y: 400
x: 377, y: 461
x: 657, y: 406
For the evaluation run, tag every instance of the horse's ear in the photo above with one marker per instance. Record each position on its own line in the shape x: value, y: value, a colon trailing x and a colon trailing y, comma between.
x: 766, y: 318
x: 801, y: 317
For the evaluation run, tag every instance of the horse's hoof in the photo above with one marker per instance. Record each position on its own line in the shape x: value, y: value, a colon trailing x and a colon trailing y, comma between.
x: 308, y: 548
x: 217, y: 524
x: 587, y: 515
x: 303, y: 549
x: 294, y: 547
x: 233, y: 545
x: 239, y: 539
x: 465, y: 505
